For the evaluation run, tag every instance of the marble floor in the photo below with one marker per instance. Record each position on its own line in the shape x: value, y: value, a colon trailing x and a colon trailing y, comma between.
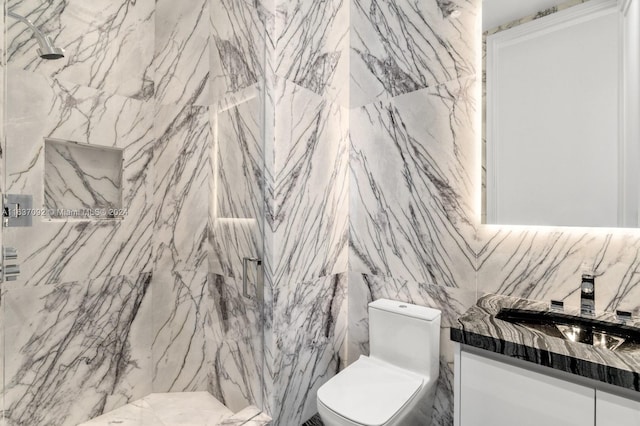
x: 179, y: 409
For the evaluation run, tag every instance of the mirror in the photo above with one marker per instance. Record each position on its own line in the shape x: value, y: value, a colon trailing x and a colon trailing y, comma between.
x: 560, y: 137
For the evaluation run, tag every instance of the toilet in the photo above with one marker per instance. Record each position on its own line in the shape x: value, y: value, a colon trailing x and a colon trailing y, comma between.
x: 395, y: 384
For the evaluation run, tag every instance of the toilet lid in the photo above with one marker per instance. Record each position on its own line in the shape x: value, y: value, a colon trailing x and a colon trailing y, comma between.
x: 369, y: 391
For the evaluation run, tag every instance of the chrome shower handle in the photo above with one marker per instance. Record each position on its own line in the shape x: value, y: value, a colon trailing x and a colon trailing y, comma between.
x: 245, y: 268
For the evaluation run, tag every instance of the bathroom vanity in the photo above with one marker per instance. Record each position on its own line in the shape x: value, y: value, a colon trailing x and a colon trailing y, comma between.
x: 509, y: 372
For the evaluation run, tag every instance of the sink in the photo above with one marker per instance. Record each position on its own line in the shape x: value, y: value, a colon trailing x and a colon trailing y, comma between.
x: 591, y: 331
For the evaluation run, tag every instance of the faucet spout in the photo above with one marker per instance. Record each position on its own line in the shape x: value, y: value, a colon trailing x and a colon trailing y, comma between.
x: 587, y: 295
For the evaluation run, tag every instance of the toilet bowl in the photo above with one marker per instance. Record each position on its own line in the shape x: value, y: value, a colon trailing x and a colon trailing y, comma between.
x: 395, y: 384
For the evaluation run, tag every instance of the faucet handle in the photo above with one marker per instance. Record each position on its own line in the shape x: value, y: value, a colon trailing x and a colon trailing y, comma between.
x: 557, y: 305
x: 624, y: 315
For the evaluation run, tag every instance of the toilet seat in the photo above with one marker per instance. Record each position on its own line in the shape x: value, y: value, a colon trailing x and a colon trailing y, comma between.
x: 370, y: 392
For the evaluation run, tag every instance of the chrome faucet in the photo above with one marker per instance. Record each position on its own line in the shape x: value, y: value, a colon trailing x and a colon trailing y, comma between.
x: 587, y: 294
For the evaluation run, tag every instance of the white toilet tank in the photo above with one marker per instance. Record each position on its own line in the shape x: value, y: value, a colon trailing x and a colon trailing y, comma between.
x: 405, y: 335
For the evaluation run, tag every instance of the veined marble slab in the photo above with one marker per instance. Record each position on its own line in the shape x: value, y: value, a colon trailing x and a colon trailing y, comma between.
x: 238, y: 43
x: 181, y: 61
x: 63, y: 251
x: 312, y: 47
x: 108, y: 45
x: 400, y: 46
x: 74, y: 350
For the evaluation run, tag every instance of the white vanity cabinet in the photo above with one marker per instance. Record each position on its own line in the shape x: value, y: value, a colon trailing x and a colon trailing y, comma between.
x: 499, y: 394
x: 614, y: 410
x: 490, y: 391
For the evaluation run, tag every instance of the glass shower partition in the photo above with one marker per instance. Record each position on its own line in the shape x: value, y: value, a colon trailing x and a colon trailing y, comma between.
x: 133, y: 222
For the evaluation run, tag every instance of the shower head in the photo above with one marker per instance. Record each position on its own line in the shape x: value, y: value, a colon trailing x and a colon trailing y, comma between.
x: 46, y: 50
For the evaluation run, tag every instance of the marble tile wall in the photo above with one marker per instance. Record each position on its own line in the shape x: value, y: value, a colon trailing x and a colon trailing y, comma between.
x: 239, y: 40
x: 400, y: 46
x: 356, y: 120
x: 415, y: 231
x: 308, y: 211
x: 109, y: 45
x: 282, y: 67
x: 208, y: 212
x: 182, y: 53
x: 312, y: 46
x: 237, y: 204
x: 77, y: 321
x: 145, y: 77
x: 66, y: 111
x: 408, y: 100
x: 412, y: 223
x: 201, y: 338
x: 307, y: 358
x: 78, y: 341
x: 182, y: 355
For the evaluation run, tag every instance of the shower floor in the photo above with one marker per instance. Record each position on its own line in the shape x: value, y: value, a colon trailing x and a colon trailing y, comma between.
x: 179, y: 409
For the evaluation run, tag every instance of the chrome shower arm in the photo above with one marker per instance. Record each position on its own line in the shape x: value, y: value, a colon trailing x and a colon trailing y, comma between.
x: 47, y: 49
x: 39, y: 36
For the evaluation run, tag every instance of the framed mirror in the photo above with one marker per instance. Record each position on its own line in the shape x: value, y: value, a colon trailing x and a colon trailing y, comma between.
x: 561, y: 140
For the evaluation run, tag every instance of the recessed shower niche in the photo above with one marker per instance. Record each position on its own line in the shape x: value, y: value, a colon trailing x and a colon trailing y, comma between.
x: 82, y: 181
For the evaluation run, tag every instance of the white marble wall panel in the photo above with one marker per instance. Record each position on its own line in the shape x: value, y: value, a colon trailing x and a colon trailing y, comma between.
x: 182, y: 169
x: 413, y: 162
x: 423, y: 226
x: 311, y: 186
x: 312, y: 46
x: 309, y: 357
x: 237, y: 344
x: 443, y: 405
x: 400, y: 46
x: 237, y: 198
x: 238, y: 372
x: 543, y: 264
x: 64, y: 251
x: 269, y: 244
x: 239, y: 160
x: 108, y: 45
x: 207, y: 337
x: 411, y: 209
x: 238, y: 45
x: 182, y: 51
x: 77, y: 349
x: 181, y: 361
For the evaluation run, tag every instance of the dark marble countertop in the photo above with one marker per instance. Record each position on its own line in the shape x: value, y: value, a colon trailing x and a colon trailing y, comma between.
x: 480, y: 328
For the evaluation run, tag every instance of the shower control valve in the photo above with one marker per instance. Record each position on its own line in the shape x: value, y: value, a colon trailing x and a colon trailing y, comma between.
x: 10, y: 271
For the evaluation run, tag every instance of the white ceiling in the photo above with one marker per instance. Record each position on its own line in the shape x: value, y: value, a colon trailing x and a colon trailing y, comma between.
x: 498, y: 12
